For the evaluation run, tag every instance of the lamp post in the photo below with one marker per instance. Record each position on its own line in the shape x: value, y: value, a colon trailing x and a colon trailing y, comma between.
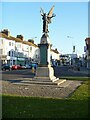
x: 36, y: 56
x: 73, y: 51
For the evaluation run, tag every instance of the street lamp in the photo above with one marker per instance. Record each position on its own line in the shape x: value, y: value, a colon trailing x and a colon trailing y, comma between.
x: 72, y: 44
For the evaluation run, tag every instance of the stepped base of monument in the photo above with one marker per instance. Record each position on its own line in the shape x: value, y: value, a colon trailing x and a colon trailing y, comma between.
x: 40, y: 81
x: 45, y: 75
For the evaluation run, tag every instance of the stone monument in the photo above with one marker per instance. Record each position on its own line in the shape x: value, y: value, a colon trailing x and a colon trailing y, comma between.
x: 44, y: 70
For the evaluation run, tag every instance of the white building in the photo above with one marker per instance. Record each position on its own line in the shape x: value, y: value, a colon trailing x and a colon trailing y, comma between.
x: 3, y: 57
x: 55, y: 56
x: 87, y: 41
x: 65, y: 59
x: 7, y: 49
x: 16, y: 50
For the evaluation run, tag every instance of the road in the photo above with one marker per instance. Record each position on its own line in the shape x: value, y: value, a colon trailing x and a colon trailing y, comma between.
x: 14, y: 74
x: 27, y: 73
x: 66, y: 71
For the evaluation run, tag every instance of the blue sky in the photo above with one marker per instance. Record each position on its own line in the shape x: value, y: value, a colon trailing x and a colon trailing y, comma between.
x: 71, y: 20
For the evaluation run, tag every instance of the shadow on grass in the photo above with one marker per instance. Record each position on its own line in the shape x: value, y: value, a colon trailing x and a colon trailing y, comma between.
x: 28, y: 107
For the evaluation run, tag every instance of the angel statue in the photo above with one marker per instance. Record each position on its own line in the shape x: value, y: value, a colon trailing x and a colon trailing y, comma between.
x: 47, y: 18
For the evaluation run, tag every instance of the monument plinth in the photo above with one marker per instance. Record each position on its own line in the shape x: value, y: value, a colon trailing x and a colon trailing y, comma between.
x: 44, y: 47
x: 45, y: 69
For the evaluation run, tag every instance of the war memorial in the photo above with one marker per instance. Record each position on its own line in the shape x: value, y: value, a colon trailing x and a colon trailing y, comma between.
x: 44, y: 72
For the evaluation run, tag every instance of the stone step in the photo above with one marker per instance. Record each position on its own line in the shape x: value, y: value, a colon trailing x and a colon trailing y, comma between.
x: 44, y: 79
x: 49, y: 82
x: 39, y: 82
x: 27, y: 84
x: 34, y: 82
x: 65, y: 83
x: 60, y: 81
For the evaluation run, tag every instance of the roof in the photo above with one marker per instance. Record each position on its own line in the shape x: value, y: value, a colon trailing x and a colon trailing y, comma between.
x: 87, y: 40
x: 16, y: 39
x: 5, y: 36
x: 56, y: 51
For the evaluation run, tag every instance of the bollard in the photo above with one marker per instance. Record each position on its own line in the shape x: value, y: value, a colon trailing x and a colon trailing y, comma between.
x: 33, y: 70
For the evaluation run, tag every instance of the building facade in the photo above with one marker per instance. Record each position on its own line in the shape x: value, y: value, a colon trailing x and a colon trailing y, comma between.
x: 55, y: 59
x: 17, y: 50
x: 87, y: 41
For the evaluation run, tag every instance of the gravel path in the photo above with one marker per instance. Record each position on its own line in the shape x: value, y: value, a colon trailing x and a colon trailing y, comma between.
x: 51, y: 91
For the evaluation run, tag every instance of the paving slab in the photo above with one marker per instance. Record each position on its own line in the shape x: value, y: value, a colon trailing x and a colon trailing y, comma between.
x: 37, y: 90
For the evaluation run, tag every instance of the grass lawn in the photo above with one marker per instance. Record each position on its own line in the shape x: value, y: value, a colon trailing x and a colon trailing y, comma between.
x: 30, y: 107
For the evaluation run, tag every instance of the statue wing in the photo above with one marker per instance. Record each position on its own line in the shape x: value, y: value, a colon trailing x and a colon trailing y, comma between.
x: 50, y: 14
x: 42, y: 11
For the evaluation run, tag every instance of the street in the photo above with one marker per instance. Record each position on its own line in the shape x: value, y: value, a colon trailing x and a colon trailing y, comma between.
x: 16, y: 74
x: 62, y: 71
x: 67, y: 71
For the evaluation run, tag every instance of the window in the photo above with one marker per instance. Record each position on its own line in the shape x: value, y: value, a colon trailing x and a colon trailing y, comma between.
x: 18, y: 46
x: 9, y: 43
x: 1, y: 51
x: 36, y: 56
x: 30, y: 49
x: 1, y: 41
x: 9, y: 53
x: 12, y: 53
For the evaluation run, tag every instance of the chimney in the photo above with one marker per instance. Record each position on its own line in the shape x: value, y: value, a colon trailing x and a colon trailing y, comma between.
x: 31, y: 40
x: 6, y: 32
x: 20, y: 37
x: 56, y: 49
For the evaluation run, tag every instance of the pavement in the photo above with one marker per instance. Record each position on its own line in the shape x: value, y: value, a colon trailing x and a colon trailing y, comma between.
x: 23, y: 87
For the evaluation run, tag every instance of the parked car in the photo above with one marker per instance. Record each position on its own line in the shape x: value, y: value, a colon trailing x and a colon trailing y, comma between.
x: 23, y: 67
x: 6, y: 67
x: 16, y: 67
x: 28, y: 66
x: 19, y: 67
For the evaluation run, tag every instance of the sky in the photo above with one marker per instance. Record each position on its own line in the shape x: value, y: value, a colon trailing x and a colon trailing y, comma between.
x: 71, y: 20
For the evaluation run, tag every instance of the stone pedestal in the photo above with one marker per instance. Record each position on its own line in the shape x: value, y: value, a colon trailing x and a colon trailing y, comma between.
x: 45, y: 47
x: 46, y: 72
